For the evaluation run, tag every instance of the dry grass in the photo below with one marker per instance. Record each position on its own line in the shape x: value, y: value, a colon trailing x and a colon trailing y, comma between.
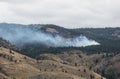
x: 20, y: 66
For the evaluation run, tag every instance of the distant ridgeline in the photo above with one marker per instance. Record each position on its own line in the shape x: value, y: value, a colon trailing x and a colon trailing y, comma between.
x: 109, y: 39
x: 50, y: 38
x: 21, y: 35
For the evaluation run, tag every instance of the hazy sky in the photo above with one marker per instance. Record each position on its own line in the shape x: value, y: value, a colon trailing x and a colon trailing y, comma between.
x: 67, y: 13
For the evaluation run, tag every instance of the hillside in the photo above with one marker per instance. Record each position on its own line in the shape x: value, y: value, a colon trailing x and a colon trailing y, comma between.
x: 103, y: 63
x: 16, y: 66
x: 108, y: 38
x: 7, y: 44
x: 26, y: 56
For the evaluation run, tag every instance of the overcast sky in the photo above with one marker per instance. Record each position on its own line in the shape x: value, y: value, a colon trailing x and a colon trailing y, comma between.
x: 67, y: 13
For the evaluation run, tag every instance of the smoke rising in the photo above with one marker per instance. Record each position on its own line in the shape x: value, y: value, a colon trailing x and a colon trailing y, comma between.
x: 20, y: 35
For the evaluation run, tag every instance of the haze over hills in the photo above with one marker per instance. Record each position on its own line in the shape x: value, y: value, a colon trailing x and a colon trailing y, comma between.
x: 21, y: 34
x: 14, y: 65
x: 54, y: 52
x: 59, y: 39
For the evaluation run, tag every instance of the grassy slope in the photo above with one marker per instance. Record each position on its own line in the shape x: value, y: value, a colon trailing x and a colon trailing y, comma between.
x: 102, y: 63
x: 16, y: 66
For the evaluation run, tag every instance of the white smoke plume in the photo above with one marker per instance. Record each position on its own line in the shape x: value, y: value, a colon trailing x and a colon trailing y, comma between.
x: 20, y: 35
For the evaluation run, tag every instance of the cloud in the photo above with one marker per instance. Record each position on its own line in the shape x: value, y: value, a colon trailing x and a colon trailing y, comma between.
x: 67, y: 13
